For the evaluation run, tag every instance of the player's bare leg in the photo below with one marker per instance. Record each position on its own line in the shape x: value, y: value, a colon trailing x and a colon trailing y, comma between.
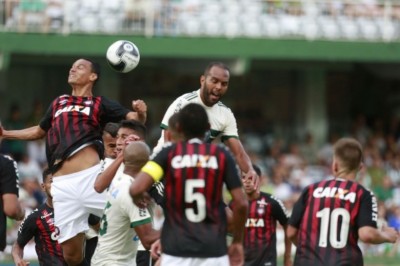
x: 73, y: 250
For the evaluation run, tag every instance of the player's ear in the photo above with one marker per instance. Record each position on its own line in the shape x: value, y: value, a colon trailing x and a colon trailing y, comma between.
x: 93, y: 77
x: 202, y: 79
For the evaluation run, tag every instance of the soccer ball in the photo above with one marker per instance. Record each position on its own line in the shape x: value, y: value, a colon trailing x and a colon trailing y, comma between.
x: 123, y: 56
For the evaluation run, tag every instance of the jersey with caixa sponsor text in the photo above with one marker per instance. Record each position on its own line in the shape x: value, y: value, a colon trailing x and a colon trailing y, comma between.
x: 73, y: 121
x: 8, y: 185
x: 328, y: 215
x: 194, y: 173
x: 39, y: 225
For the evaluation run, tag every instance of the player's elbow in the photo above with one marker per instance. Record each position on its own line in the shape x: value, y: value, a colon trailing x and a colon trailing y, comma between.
x: 98, y: 187
x: 369, y: 235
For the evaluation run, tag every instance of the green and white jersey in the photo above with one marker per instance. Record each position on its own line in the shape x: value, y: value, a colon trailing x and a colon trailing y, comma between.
x: 118, y: 241
x: 222, y: 121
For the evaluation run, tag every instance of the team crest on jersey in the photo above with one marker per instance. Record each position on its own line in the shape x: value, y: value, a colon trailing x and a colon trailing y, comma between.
x: 62, y: 102
x: 88, y: 102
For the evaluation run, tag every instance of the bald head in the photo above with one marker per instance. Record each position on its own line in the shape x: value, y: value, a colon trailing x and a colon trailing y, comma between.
x: 136, y: 154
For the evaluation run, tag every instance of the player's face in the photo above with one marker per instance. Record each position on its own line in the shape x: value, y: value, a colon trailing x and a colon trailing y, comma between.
x: 125, y: 136
x: 110, y: 146
x: 81, y: 73
x: 248, y: 185
x: 214, y: 85
x: 46, y: 186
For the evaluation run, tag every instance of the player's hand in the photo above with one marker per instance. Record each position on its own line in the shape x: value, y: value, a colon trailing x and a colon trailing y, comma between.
x: 236, y: 254
x: 252, y: 175
x: 22, y: 263
x: 156, y: 250
x: 391, y: 234
x: 131, y: 138
x: 139, y: 106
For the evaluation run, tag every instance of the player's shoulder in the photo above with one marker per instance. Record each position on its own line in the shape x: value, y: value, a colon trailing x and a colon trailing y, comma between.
x: 189, y: 96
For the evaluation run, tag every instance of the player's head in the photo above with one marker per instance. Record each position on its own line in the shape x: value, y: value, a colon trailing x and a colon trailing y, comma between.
x: 214, y: 83
x: 84, y: 71
x: 193, y: 121
x: 172, y: 134
x: 249, y: 182
x: 127, y: 130
x: 47, y: 179
x: 136, y: 155
x: 110, y: 140
x: 347, y: 157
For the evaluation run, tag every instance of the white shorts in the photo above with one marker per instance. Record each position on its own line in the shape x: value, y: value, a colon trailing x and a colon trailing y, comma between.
x: 168, y: 260
x: 74, y: 198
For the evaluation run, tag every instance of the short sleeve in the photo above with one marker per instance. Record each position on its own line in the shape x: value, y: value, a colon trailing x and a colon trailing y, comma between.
x: 112, y: 111
x: 231, y: 126
x: 8, y: 176
x: 175, y: 107
x: 232, y: 178
x: 368, y: 214
x: 45, y: 122
x: 279, y: 211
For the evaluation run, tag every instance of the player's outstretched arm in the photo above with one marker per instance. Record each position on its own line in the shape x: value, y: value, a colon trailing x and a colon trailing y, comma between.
x: 243, y: 160
x: 371, y: 235
x: 18, y: 254
x: 139, y: 111
x: 31, y: 133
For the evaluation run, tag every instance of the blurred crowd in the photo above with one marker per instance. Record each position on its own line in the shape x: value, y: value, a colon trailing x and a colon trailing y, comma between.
x: 331, y: 19
x: 287, y: 166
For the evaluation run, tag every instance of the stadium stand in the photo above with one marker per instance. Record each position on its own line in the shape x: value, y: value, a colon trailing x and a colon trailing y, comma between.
x: 348, y: 20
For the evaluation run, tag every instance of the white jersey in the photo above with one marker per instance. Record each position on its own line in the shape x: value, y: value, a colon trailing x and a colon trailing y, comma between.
x: 222, y: 121
x: 118, y: 241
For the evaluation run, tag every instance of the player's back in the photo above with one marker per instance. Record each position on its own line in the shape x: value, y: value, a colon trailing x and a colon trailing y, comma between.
x: 333, y: 211
x: 195, y: 221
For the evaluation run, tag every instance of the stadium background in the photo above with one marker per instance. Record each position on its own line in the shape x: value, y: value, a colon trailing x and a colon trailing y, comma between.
x: 298, y: 67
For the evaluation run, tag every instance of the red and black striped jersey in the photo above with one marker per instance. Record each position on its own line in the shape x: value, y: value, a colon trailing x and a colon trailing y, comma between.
x: 260, y: 232
x: 73, y: 121
x: 8, y: 185
x: 39, y: 225
x: 328, y: 215
x: 195, y: 221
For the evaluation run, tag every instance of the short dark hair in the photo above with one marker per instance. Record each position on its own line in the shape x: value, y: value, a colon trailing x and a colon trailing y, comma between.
x: 111, y: 128
x: 45, y: 174
x: 193, y: 121
x: 134, y: 125
x: 218, y: 64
